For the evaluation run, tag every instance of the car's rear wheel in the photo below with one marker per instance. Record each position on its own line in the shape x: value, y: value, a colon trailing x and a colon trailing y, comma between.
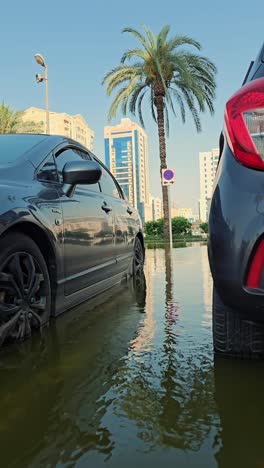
x: 25, y: 292
x: 233, y: 335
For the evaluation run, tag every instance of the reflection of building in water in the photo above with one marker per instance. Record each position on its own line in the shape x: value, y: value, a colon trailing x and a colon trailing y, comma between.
x: 156, y: 257
x: 88, y: 228
x: 149, y: 281
x: 207, y: 285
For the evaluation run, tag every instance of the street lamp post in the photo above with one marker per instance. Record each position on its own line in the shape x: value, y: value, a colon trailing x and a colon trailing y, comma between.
x: 40, y: 61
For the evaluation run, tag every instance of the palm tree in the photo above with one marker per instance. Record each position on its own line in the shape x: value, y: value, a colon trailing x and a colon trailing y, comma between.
x: 175, y: 79
x: 11, y: 121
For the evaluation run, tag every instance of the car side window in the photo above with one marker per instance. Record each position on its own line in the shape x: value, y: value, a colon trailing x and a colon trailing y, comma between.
x: 108, y: 185
x: 48, y: 171
x: 72, y: 154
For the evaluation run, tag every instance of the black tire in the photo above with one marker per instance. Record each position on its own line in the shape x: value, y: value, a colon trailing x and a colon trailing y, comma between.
x: 25, y: 291
x: 234, y: 336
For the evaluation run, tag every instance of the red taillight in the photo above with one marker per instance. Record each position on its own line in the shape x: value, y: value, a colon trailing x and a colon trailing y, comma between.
x: 244, y: 120
x: 256, y: 267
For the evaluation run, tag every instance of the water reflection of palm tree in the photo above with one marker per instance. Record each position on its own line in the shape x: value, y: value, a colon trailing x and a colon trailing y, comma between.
x: 167, y: 392
x: 170, y: 404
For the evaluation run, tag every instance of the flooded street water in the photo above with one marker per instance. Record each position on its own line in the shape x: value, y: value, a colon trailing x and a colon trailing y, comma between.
x: 133, y: 381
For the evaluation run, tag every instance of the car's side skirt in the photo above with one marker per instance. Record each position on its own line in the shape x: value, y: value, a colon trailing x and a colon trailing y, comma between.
x: 63, y: 303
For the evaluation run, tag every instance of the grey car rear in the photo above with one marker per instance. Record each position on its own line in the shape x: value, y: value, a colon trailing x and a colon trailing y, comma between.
x: 236, y: 222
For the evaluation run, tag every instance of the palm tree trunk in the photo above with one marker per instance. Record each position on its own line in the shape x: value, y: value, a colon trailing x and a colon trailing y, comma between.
x: 163, y: 165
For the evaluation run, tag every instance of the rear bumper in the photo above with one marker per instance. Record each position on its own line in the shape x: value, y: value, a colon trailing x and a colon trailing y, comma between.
x: 236, y: 223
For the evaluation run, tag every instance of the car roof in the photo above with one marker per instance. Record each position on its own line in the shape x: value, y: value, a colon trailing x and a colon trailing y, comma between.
x: 42, y: 145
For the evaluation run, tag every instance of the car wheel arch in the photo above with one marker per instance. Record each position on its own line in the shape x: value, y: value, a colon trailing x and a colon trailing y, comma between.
x: 41, y: 239
x: 141, y: 238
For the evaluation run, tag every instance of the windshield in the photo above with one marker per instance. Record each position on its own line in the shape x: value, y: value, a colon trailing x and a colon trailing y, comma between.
x: 14, y: 146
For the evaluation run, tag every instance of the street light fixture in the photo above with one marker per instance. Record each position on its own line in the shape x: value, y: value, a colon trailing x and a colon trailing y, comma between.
x: 40, y: 78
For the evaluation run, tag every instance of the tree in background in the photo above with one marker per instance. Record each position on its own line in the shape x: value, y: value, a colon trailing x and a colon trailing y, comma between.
x: 204, y: 227
x: 154, y: 228
x: 174, y: 78
x: 11, y: 121
x: 180, y: 226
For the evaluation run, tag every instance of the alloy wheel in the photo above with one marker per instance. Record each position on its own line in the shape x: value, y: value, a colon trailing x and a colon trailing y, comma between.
x: 23, y: 297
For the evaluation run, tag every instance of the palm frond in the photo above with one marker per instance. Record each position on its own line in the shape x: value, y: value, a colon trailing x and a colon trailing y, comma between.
x: 177, y: 97
x: 151, y: 37
x: 162, y: 36
x: 138, y: 36
x: 190, y: 103
x: 133, y: 53
x: 120, y: 75
x: 139, y: 108
x: 152, y: 106
x: 121, y: 95
x: 178, y: 41
x: 135, y: 95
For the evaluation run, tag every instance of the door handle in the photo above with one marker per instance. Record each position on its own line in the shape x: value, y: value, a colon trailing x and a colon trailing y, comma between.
x: 129, y: 211
x: 106, y: 207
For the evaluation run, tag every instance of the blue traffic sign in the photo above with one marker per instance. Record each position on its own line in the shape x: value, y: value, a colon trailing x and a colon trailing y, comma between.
x: 168, y: 174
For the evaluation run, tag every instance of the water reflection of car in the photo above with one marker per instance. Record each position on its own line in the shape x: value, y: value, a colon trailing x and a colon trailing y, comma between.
x: 72, y: 366
x: 67, y: 231
x: 236, y: 222
x: 239, y: 387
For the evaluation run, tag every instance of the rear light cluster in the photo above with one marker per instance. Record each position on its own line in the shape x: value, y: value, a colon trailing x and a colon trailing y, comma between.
x: 244, y: 121
x: 256, y: 267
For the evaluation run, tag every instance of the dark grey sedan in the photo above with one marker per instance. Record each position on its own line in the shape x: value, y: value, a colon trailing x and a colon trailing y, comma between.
x: 67, y: 231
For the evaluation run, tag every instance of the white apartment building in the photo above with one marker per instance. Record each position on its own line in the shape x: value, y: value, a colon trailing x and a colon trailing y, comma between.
x: 184, y: 213
x: 207, y: 168
x: 72, y: 126
x: 156, y: 208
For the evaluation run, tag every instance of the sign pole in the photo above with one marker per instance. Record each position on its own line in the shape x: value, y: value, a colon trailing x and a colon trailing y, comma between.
x: 168, y: 177
x: 169, y: 203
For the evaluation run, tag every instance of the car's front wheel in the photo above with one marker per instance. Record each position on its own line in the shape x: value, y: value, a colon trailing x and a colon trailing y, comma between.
x: 25, y: 292
x: 233, y: 335
x: 139, y: 257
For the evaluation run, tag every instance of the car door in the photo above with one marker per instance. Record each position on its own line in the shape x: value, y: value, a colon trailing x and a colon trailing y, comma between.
x: 87, y: 230
x: 125, y: 220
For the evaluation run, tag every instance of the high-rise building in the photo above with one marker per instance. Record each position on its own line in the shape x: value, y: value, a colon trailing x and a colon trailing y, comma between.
x: 156, y: 208
x: 208, y: 162
x: 126, y: 155
x: 72, y: 126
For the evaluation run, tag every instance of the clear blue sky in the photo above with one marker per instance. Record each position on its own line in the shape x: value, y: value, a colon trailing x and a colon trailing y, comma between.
x: 82, y: 40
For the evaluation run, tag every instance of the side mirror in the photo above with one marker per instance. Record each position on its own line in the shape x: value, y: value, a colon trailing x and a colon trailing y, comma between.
x: 80, y: 172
